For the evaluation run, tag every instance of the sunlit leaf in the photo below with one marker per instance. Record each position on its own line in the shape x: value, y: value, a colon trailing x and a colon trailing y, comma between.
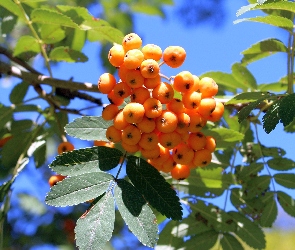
x: 77, y: 189
x: 51, y: 34
x: 86, y: 160
x: 26, y: 45
x: 153, y: 187
x: 13, y: 8
x: 88, y: 128
x: 95, y: 226
x: 244, y: 76
x: 136, y: 213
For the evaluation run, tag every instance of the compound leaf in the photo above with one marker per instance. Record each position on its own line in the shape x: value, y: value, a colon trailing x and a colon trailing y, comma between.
x: 136, y: 213
x: 88, y: 128
x: 153, y: 187
x: 77, y: 189
x: 86, y: 160
x: 94, y: 228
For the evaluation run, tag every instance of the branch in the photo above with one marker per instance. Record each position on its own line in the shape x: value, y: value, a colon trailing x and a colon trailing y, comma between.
x: 34, y: 79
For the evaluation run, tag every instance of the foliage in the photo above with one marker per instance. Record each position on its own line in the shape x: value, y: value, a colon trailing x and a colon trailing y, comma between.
x: 142, y: 197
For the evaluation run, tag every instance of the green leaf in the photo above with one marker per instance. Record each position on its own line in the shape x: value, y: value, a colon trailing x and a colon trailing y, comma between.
x: 287, y: 203
x: 18, y: 93
x: 282, y: 5
x: 202, y: 241
x: 51, y: 34
x: 244, y: 76
x: 281, y: 163
x: 8, y: 21
x: 246, y: 8
x: 153, y: 187
x: 287, y: 109
x: 86, y: 160
x: 269, y: 214
x: 286, y: 180
x: 27, y: 108
x: 40, y: 154
x: 26, y: 47
x: 4, y: 189
x: 136, y: 213
x: 277, y: 21
x: 94, y: 228
x: 46, y: 16
x: 250, y: 171
x: 77, y: 189
x: 271, y: 117
x: 248, y: 231
x: 225, y: 134
x: 31, y: 204
x: 256, y: 186
x: 88, y: 128
x: 263, y: 49
x: 5, y: 115
x: 147, y: 9
x: 66, y: 54
x: 230, y: 242
x: 273, y: 87
x: 223, y: 79
x: 248, y: 97
x: 13, y: 8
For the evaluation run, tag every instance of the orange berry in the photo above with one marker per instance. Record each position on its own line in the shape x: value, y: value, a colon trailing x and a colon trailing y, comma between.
x: 108, y: 144
x: 150, y: 153
x: 183, y: 123
x: 163, y: 92
x: 154, y: 164
x: 133, y: 112
x: 164, y: 155
x: 153, y: 107
x: 183, y: 81
x: 184, y: 136
x: 140, y: 95
x: 151, y: 83
x: 146, y: 125
x: 208, y: 87
x: 113, y: 134
x: 149, y: 68
x: 191, y: 99
x: 196, y: 85
x: 217, y: 112
x: 119, y: 121
x: 131, y: 41
x: 133, y: 59
x: 116, y: 55
x: 152, y: 51
x: 55, y: 179
x: 65, y: 147
x: 197, y: 122
x: 202, y: 158
x: 176, y: 106
x: 174, y: 56
x: 206, y: 106
x: 148, y: 141
x: 122, y: 72
x: 114, y: 98
x: 197, y: 140
x: 122, y: 90
x: 182, y: 153
x: 109, y: 112
x: 169, y: 140
x: 210, y: 143
x: 130, y: 148
x: 168, y: 165
x: 166, y: 122
x: 131, y: 135
x: 180, y: 172
x: 106, y: 83
x: 134, y: 79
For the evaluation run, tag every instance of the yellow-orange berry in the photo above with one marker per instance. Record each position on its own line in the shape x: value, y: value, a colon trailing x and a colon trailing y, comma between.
x: 206, y: 106
x: 152, y: 51
x: 149, y: 68
x: 148, y: 141
x: 217, y: 112
x: 168, y: 165
x: 191, y: 99
x: 182, y: 153
x: 140, y: 95
x: 55, y: 179
x: 183, y: 81
x: 166, y: 122
x: 197, y: 140
x: 151, y: 83
x: 202, y: 158
x: 106, y: 83
x: 210, y: 143
x: 108, y: 144
x: 131, y: 135
x: 208, y: 87
x: 109, y: 112
x: 169, y: 140
x: 113, y: 134
x: 180, y: 172
x: 131, y: 41
x: 183, y: 123
x: 153, y: 107
x: 174, y: 56
x: 146, y: 125
x: 119, y: 121
x: 122, y: 72
x: 114, y: 98
x: 116, y: 55
x: 130, y: 148
x: 65, y: 147
x: 176, y: 106
x: 197, y: 122
x: 133, y: 112
x: 134, y: 79
x: 150, y: 153
x: 133, y: 59
x: 163, y: 92
x: 122, y: 90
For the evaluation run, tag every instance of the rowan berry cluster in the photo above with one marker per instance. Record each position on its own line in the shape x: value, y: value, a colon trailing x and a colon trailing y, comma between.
x: 166, y: 130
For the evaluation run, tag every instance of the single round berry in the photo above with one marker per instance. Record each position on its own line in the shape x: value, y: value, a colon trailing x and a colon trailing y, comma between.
x: 65, y: 147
